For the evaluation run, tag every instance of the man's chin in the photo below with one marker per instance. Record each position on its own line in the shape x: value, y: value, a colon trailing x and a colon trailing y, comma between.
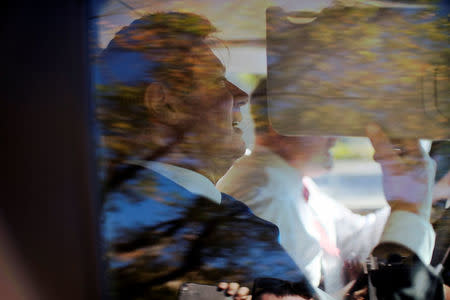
x: 236, y: 146
x: 226, y: 160
x: 240, y: 150
x: 234, y: 152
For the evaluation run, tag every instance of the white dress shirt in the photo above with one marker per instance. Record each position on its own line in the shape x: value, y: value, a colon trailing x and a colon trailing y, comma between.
x: 272, y: 189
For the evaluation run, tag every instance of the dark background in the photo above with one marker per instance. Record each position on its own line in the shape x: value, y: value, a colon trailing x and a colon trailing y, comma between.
x: 49, y: 203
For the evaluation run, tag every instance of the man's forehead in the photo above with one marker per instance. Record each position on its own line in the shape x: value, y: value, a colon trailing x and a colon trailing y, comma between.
x: 207, y: 58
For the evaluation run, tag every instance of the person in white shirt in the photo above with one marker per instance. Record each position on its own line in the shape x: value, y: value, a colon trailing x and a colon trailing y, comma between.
x: 275, y: 182
x: 317, y: 231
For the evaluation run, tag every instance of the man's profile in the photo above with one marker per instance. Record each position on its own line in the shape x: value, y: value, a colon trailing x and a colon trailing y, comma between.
x: 170, y: 131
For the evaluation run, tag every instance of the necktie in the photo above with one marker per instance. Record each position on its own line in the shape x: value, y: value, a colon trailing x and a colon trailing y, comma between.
x: 330, y: 280
x: 325, y: 243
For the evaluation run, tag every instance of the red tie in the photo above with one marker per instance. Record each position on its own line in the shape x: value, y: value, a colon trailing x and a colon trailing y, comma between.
x: 324, y: 241
x: 305, y: 193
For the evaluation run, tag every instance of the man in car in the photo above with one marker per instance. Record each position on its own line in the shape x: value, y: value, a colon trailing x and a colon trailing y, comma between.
x: 168, y: 121
x: 170, y: 130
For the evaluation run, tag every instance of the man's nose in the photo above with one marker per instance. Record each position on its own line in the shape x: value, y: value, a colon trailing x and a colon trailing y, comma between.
x: 237, y: 115
x: 240, y: 97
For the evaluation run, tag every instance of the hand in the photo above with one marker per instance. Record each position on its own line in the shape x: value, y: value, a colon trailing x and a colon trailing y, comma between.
x: 243, y: 293
x: 233, y: 289
x: 408, y: 172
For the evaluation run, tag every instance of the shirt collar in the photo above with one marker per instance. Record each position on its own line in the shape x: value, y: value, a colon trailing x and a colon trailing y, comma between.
x: 192, y: 181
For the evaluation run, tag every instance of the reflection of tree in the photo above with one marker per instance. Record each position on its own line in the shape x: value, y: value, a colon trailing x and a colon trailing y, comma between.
x: 361, y: 61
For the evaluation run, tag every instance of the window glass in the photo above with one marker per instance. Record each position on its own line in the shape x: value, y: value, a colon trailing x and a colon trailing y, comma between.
x: 233, y: 140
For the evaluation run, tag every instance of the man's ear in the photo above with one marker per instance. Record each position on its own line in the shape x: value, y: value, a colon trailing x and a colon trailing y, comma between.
x: 160, y: 102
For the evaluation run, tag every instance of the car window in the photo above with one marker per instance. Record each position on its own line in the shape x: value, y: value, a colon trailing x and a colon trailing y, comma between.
x: 232, y: 137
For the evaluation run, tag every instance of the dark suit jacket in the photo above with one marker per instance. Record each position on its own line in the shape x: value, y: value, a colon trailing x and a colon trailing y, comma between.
x: 158, y: 235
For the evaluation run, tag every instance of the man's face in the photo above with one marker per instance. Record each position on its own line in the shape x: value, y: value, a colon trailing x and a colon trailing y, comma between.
x: 215, y: 108
x: 310, y: 154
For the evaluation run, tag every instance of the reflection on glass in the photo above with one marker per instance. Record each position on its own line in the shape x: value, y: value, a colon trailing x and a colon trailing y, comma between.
x: 171, y: 127
x: 368, y: 63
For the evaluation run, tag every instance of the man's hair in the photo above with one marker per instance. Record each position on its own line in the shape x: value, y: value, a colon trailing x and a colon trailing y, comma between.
x: 155, y: 48
x: 259, y: 108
